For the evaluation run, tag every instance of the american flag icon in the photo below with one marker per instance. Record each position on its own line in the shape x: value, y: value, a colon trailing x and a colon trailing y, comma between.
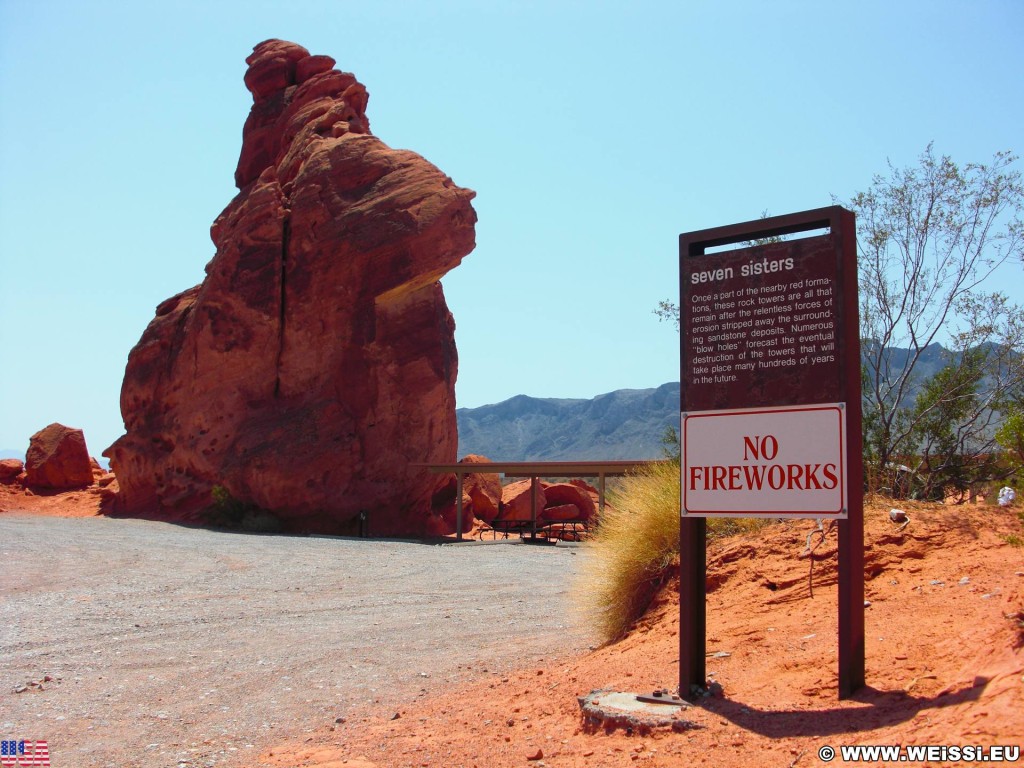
x: 22, y: 754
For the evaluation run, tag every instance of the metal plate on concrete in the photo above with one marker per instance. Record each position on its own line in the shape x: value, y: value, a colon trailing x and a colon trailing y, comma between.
x: 633, y: 712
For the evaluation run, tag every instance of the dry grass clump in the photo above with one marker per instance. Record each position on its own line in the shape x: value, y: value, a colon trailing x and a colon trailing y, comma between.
x: 632, y: 550
x: 723, y: 527
x: 635, y: 547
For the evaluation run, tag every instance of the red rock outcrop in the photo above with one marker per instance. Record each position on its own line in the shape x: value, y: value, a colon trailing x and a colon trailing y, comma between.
x: 481, y: 497
x: 516, y: 500
x: 481, y: 491
x: 571, y: 493
x: 555, y: 501
x: 559, y: 513
x: 316, y: 362
x: 57, y: 458
x: 10, y: 469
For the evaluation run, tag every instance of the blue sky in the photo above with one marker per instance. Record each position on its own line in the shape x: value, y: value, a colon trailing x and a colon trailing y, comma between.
x: 593, y: 132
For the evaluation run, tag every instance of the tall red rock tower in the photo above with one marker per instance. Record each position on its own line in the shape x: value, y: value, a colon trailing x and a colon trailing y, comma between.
x: 316, y: 362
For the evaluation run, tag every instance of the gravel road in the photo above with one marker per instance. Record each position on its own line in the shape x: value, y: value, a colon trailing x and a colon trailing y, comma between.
x: 186, y: 648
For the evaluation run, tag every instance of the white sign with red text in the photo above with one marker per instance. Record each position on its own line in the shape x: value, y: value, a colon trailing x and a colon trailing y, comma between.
x: 785, y: 461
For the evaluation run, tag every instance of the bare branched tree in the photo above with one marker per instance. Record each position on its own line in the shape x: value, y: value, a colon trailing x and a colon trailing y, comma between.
x: 668, y: 311
x: 929, y: 237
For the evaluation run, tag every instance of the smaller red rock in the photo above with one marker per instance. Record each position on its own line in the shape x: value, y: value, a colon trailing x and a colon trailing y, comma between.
x: 515, y: 501
x: 108, y: 494
x: 272, y: 66
x: 57, y: 458
x: 482, y: 489
x: 10, y: 469
x: 587, y: 488
x: 561, y: 512
x: 571, y: 493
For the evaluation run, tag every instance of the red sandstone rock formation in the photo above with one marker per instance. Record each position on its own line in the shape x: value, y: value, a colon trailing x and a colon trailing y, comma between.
x: 515, y: 500
x: 481, y: 496
x: 10, y: 469
x: 559, y: 513
x: 316, y: 363
x: 481, y: 491
x: 555, y: 501
x: 57, y: 458
x: 571, y: 493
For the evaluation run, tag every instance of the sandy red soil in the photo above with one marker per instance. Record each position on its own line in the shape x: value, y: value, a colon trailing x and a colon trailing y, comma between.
x: 944, y: 640
x: 78, y: 503
x: 944, y: 663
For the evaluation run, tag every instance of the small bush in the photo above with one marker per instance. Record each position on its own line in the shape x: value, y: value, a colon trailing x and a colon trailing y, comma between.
x: 636, y: 546
x: 633, y: 548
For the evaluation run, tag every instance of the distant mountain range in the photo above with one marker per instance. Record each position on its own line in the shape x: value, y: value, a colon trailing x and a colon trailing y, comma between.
x: 625, y: 424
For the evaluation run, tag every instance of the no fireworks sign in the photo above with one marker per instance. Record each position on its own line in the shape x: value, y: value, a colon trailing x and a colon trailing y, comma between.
x: 782, y: 461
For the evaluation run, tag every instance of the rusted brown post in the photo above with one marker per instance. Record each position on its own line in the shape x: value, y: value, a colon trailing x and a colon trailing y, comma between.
x: 851, y: 530
x: 692, y: 606
x: 458, y: 506
x: 534, y: 487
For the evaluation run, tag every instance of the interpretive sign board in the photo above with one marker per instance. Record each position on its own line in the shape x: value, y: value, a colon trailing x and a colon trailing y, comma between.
x: 770, y: 411
x: 787, y: 461
x: 762, y: 326
x: 766, y: 326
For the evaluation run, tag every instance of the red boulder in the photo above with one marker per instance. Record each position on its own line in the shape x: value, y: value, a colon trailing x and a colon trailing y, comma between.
x: 481, y: 491
x: 560, y: 513
x: 57, y: 458
x: 516, y: 500
x: 571, y: 493
x: 10, y: 469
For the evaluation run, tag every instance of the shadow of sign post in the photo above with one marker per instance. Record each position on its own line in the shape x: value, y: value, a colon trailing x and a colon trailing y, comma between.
x: 770, y: 422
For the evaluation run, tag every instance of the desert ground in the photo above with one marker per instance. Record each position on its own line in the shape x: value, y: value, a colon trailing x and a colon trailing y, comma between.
x: 944, y: 639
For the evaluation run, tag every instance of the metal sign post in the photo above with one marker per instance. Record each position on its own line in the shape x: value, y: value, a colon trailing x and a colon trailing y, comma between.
x: 770, y: 420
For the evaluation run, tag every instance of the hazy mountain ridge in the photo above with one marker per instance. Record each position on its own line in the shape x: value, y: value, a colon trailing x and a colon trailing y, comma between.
x: 624, y: 424
x: 933, y: 359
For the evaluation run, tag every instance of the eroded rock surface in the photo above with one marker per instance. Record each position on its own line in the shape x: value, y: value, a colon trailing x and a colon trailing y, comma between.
x: 517, y: 500
x: 10, y: 469
x: 57, y: 458
x: 481, y: 491
x: 574, y: 500
x: 316, y: 363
